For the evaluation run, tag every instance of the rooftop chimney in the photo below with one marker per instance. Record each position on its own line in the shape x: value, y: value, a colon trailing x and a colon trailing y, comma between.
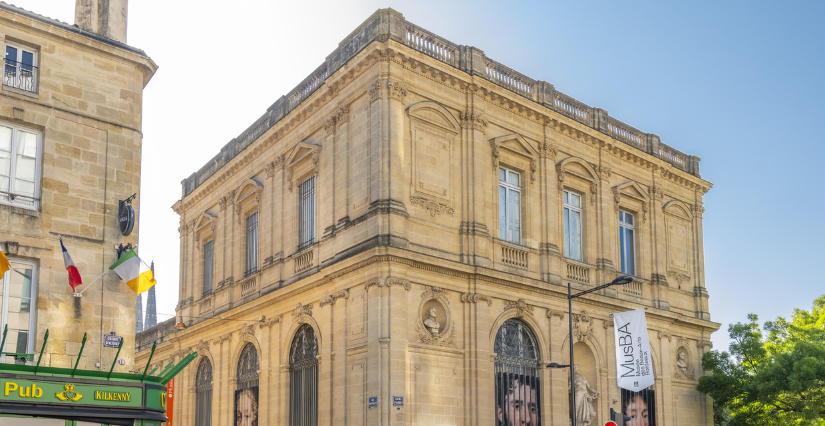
x: 104, y: 17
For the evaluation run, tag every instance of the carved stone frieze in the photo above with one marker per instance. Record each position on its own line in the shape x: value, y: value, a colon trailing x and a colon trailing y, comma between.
x: 473, y: 120
x: 476, y: 297
x: 433, y: 291
x: 594, y: 188
x: 431, y: 206
x: 342, y: 115
x: 289, y: 174
x: 443, y: 339
x: 582, y: 325
x: 398, y: 90
x: 301, y: 311
x: 658, y: 192
x: 329, y: 126
x: 560, y: 177
x: 246, y: 332
x: 702, y: 344
x: 496, y: 153
x: 521, y: 307
x: 377, y: 282
x: 547, y: 150
x: 269, y: 322
x: 332, y: 298
x: 664, y: 335
x: 603, y: 172
x: 617, y: 198
x: 279, y: 161
x: 644, y: 212
x: 679, y: 277
x: 534, y: 166
x: 374, y: 90
x: 399, y: 282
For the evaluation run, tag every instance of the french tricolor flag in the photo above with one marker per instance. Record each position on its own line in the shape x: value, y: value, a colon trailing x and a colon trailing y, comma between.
x: 74, y: 275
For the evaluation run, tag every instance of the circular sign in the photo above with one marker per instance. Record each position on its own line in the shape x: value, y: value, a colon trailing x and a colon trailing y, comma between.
x: 611, y: 423
x: 126, y: 220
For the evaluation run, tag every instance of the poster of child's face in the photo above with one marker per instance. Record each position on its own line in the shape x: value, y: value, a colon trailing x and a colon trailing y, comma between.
x: 640, y: 406
x: 246, y: 407
x: 517, y: 400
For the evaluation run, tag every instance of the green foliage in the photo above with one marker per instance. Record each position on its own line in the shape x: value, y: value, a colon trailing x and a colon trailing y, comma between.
x: 778, y: 379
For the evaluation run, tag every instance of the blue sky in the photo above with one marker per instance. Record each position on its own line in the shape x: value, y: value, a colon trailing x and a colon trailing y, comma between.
x: 736, y: 83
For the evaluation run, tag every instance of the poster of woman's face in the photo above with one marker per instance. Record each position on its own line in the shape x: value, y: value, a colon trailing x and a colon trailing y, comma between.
x: 517, y: 400
x: 246, y: 407
x: 640, y: 406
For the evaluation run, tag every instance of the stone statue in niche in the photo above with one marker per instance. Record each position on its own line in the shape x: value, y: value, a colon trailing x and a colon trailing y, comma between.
x: 585, y: 414
x: 682, y: 363
x: 431, y: 322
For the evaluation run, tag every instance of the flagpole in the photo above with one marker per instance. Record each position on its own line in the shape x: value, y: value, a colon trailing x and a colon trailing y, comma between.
x: 80, y: 293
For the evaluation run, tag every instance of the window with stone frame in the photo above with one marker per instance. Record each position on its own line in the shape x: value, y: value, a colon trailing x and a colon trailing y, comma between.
x: 17, y: 296
x: 20, y: 67
x: 251, y: 244
x: 203, y: 393
x: 303, y: 385
x: 208, y: 266
x: 509, y: 205
x: 306, y: 193
x: 20, y: 153
x: 573, y: 225
x: 627, y: 242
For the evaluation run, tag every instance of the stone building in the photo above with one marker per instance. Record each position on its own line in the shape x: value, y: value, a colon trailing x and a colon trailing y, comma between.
x: 391, y: 243
x: 70, y: 150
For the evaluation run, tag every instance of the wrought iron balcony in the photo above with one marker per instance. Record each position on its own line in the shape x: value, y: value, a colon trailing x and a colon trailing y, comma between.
x: 20, y: 75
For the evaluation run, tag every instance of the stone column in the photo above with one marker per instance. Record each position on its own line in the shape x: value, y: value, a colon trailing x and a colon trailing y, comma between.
x: 479, y: 390
x: 607, y: 225
x: 326, y: 185
x: 342, y: 167
x: 398, y: 171
x: 477, y: 171
x: 700, y: 293
x: 550, y: 246
x: 658, y: 279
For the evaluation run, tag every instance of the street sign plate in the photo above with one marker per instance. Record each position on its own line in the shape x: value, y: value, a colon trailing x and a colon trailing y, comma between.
x: 373, y: 401
x: 111, y: 340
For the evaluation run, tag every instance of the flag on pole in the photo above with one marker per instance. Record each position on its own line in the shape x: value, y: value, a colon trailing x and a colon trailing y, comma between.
x: 74, y: 275
x: 134, y: 271
x: 4, y: 263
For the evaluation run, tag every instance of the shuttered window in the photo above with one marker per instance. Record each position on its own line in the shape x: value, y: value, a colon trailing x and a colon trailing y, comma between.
x: 307, y: 210
x: 252, y: 243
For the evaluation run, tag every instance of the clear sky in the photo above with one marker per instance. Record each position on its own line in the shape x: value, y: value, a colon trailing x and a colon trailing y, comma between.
x: 738, y: 83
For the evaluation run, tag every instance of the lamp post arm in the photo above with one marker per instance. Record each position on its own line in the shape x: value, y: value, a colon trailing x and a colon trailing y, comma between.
x: 591, y: 290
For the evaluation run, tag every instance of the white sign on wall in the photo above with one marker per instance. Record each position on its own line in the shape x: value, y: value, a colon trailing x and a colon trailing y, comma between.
x: 633, y: 361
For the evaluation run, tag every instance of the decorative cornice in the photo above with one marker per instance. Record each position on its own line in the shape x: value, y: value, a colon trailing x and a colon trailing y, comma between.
x: 665, y: 335
x: 399, y: 282
x: 476, y: 297
x: 547, y: 150
x: 431, y: 206
x: 374, y: 90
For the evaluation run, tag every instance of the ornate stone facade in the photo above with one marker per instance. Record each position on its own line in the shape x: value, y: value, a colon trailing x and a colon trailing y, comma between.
x: 410, y: 281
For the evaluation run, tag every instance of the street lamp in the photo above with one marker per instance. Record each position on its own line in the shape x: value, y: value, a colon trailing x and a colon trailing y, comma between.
x: 620, y: 280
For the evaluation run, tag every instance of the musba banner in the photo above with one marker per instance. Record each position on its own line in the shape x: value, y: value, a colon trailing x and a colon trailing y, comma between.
x: 633, y: 361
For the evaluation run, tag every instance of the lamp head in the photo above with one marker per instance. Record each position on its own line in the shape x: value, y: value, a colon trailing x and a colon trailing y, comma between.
x: 557, y: 365
x: 180, y: 325
x: 622, y: 280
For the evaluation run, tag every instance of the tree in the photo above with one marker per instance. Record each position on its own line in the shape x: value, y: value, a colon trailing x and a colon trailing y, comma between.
x: 773, y: 379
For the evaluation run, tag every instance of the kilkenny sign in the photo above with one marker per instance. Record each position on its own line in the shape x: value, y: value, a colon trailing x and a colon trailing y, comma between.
x: 43, y: 392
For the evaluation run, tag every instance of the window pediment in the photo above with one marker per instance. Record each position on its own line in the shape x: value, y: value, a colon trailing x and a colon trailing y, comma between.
x: 204, y: 227
x: 678, y: 208
x: 301, y: 153
x: 632, y: 191
x: 247, y: 197
x: 519, y: 151
x: 433, y: 113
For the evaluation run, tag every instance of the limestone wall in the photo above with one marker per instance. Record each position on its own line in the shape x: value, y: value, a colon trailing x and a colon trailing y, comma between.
x: 86, y: 106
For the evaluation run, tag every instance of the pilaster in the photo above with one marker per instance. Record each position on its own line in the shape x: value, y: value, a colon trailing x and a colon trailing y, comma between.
x: 658, y: 279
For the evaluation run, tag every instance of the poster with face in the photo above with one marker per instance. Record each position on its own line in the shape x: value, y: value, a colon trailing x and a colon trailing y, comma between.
x: 517, y: 400
x: 246, y: 407
x: 640, y: 406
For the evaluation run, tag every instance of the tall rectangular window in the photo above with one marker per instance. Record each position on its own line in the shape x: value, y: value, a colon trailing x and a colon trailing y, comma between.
x: 572, y: 225
x: 19, y: 70
x: 307, y: 212
x: 509, y: 205
x: 17, y: 291
x: 19, y: 166
x: 207, y: 267
x: 627, y: 242
x: 252, y: 243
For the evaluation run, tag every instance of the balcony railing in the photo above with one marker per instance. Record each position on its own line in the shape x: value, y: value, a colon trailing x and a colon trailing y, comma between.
x: 304, y: 261
x: 20, y: 76
x: 514, y: 257
x: 21, y: 199
x: 579, y: 273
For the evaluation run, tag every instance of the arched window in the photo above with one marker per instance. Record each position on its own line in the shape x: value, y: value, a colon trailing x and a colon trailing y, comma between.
x: 518, y: 391
x: 203, y: 393
x: 303, y: 366
x: 246, y: 394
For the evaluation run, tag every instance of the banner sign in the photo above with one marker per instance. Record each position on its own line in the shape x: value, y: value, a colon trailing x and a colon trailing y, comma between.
x: 39, y: 392
x: 633, y: 362
x: 170, y: 400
